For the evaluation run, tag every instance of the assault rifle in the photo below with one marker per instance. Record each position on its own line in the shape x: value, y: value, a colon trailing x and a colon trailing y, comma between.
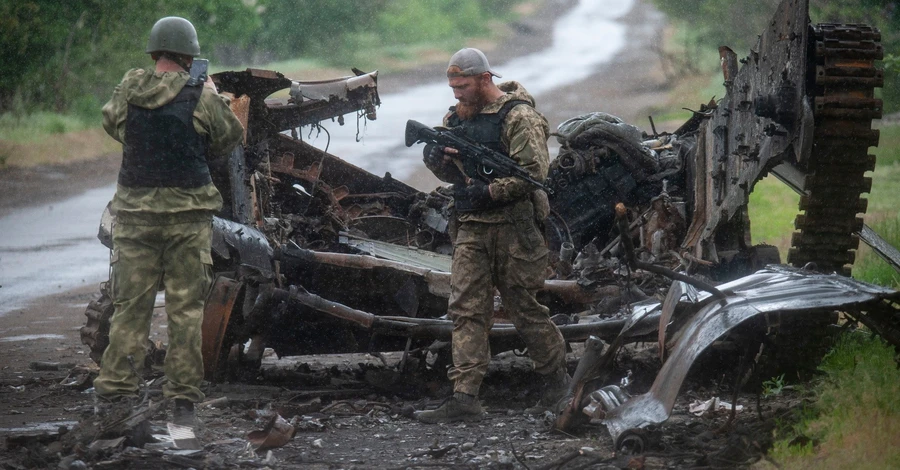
x: 477, y: 160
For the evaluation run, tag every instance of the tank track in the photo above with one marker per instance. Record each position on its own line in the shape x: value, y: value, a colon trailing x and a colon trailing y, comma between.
x: 843, y: 86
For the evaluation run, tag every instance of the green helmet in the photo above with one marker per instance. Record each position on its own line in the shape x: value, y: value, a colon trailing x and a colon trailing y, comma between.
x: 174, y: 34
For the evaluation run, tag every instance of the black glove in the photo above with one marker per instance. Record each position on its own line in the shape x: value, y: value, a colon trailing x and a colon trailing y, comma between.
x: 446, y: 171
x: 433, y: 155
x: 474, y: 197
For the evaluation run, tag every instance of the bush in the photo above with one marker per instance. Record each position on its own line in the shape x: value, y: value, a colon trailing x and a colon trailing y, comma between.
x: 61, y: 55
x: 737, y: 24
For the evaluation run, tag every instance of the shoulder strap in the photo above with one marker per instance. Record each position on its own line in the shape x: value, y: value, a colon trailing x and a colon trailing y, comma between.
x: 188, y: 93
x: 508, y: 106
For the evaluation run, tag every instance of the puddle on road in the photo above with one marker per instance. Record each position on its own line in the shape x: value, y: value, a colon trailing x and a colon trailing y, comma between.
x: 52, y: 248
x: 10, y: 339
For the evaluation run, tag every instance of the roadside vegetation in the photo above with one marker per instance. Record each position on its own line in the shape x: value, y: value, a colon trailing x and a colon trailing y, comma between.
x: 59, y: 61
x: 851, y: 414
x: 854, y: 418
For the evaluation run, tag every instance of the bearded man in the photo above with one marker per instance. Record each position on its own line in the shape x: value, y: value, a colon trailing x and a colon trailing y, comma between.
x: 497, y: 243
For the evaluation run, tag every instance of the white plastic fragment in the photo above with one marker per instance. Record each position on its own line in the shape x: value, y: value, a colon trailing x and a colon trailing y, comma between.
x: 714, y: 404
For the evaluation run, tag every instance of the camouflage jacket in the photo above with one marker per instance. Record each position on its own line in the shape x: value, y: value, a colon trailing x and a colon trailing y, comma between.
x: 212, y: 118
x: 525, y: 133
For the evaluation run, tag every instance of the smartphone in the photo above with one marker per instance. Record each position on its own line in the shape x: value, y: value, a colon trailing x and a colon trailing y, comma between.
x: 198, y: 72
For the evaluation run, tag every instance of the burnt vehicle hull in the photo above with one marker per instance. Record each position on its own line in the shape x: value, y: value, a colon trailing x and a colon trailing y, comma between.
x: 767, y: 300
x: 297, y: 218
x: 800, y: 107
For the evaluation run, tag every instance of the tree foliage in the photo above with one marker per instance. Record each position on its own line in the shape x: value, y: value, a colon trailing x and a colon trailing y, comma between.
x: 59, y: 53
x: 737, y: 24
x: 69, y: 54
x: 294, y: 28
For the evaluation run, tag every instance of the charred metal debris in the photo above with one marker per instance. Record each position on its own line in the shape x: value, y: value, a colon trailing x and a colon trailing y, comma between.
x: 316, y: 256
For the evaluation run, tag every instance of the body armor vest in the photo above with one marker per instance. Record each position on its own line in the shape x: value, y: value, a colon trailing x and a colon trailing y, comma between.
x: 162, y: 148
x: 486, y: 129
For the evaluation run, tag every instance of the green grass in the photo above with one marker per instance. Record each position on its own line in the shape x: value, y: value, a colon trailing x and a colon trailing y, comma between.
x: 855, y: 423
x: 34, y: 127
x: 870, y: 267
x: 884, y: 210
x: 773, y: 207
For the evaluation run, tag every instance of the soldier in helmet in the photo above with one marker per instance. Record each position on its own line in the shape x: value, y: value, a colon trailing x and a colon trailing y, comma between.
x: 498, y: 242
x: 164, y: 203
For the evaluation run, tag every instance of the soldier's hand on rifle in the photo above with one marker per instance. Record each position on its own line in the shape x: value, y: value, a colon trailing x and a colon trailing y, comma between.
x: 475, y: 196
x: 441, y: 164
x: 438, y: 155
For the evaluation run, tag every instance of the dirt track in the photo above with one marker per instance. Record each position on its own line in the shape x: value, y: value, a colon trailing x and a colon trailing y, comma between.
x: 369, y: 428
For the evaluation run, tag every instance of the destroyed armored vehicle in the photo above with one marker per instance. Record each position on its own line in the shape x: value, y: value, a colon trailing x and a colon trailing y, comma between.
x: 312, y: 254
x: 800, y: 107
x: 315, y: 256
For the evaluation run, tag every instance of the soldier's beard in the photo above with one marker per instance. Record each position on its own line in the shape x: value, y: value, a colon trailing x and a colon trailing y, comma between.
x: 467, y: 111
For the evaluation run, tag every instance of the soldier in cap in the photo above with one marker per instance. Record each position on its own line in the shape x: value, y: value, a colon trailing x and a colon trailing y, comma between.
x: 498, y: 241
x: 164, y: 203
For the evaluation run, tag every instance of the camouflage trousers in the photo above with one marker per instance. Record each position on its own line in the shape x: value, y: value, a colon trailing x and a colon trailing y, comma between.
x: 512, y: 257
x: 144, y: 255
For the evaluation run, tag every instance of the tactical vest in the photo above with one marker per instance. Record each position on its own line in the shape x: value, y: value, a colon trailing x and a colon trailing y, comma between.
x: 162, y: 148
x: 486, y: 129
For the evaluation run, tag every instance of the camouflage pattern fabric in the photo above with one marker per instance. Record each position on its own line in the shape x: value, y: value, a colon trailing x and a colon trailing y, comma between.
x: 503, y: 247
x: 162, y: 234
x: 525, y: 133
x: 511, y: 256
x: 212, y: 118
x: 148, y: 89
x: 178, y: 255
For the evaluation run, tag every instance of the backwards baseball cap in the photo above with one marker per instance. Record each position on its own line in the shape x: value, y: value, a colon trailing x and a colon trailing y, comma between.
x: 467, y: 62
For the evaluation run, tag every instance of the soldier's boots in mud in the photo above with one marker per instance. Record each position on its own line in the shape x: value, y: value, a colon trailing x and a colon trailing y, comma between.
x: 184, y: 414
x: 123, y: 416
x: 554, y: 393
x: 459, y: 407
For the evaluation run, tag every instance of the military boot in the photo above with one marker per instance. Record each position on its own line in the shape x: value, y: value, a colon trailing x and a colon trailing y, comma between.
x: 459, y: 407
x: 555, y: 391
x: 184, y: 413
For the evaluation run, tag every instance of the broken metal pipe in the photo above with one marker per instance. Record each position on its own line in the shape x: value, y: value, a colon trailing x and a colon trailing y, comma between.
x: 438, y: 281
x: 439, y: 329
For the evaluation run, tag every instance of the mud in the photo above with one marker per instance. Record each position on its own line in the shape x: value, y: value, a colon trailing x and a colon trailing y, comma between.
x: 354, y: 411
